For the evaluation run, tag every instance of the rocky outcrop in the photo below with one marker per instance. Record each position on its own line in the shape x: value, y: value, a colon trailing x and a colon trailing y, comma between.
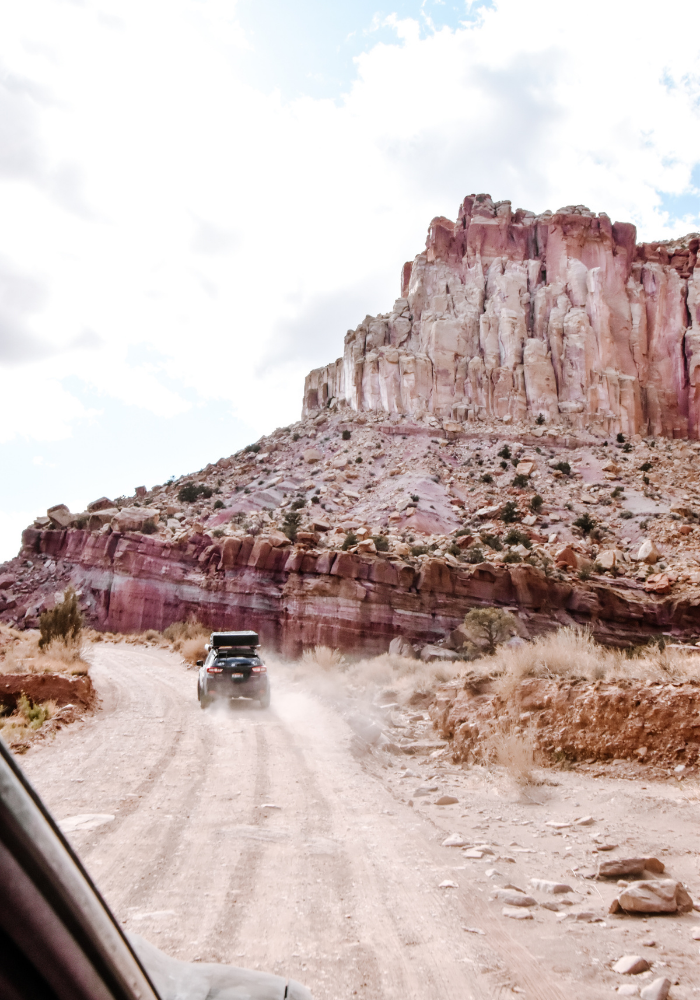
x: 298, y: 595
x: 561, y: 318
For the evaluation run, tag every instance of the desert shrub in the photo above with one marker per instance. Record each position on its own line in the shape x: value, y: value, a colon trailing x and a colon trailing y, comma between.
x: 290, y: 524
x: 510, y: 512
x: 350, y: 540
x: 193, y: 491
x: 627, y: 447
x: 513, y: 748
x: 218, y: 504
x: 358, y: 459
x: 491, y: 625
x: 493, y: 542
x: 536, y: 503
x: 419, y: 550
x: 626, y: 515
x: 618, y: 491
x: 150, y: 527
x: 255, y: 448
x: 381, y: 542
x: 517, y: 537
x: 512, y: 557
x: 585, y: 522
x: 645, y: 467
x: 503, y: 464
x: 415, y: 497
x: 315, y: 499
x: 346, y: 435
x: 486, y: 478
x: 297, y: 504
x: 540, y: 419
x: 520, y: 481
x: 585, y: 572
x: 475, y: 555
x: 620, y: 438
x: 64, y: 622
x: 563, y: 467
x: 462, y: 532
x: 505, y: 452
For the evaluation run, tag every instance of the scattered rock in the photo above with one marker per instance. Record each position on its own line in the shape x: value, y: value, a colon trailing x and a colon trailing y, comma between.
x: 424, y: 790
x: 584, y: 821
x: 430, y: 653
x: 514, y: 898
x: 648, y: 552
x: 448, y: 884
x: 402, y: 647
x: 446, y: 800
x: 473, y: 930
x: 653, y: 896
x: 473, y: 853
x: 629, y: 866
x: 556, y: 825
x: 516, y: 913
x: 454, y: 840
x: 627, y: 990
x: 631, y: 965
x: 544, y: 885
x: 312, y: 455
x: 657, y: 990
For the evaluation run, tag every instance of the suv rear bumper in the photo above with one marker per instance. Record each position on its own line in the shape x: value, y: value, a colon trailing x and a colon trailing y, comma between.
x: 226, y: 687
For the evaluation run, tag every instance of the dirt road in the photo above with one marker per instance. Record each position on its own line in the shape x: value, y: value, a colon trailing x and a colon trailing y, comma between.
x: 262, y: 839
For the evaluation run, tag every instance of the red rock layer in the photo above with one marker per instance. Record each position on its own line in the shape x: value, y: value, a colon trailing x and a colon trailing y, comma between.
x: 300, y: 596
x: 655, y: 723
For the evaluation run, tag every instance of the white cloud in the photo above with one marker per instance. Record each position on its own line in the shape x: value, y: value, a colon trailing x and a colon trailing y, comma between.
x: 214, y: 239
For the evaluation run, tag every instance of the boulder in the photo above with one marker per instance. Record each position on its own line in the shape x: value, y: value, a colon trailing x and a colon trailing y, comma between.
x: 312, y: 455
x: 648, y: 552
x: 134, y: 518
x: 629, y: 866
x: 608, y: 559
x: 60, y: 516
x: 631, y: 965
x: 656, y: 990
x: 430, y: 653
x: 567, y: 557
x: 402, y: 647
x: 101, y: 517
x: 653, y: 896
x: 102, y: 504
x: 658, y: 583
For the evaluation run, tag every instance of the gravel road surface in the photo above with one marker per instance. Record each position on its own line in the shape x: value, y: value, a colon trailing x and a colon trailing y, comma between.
x: 265, y: 839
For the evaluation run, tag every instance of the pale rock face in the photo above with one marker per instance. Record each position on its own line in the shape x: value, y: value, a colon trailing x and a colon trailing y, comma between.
x: 506, y: 316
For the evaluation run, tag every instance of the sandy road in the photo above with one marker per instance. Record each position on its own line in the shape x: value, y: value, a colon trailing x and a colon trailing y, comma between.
x: 336, y: 887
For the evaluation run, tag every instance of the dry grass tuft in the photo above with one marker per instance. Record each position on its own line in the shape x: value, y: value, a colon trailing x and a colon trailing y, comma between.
x: 26, y: 719
x: 514, y: 749
x: 324, y: 658
x: 20, y: 653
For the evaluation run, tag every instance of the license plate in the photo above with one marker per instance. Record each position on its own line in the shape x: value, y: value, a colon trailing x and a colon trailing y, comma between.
x: 238, y: 675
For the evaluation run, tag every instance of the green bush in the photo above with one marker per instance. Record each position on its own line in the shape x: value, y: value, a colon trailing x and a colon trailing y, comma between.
x: 346, y: 435
x: 510, y: 512
x: 512, y: 557
x: 193, y: 491
x: 486, y: 478
x: 540, y: 419
x: 315, y: 499
x: 475, y: 555
x: 620, y: 438
x: 491, y: 625
x: 504, y: 464
x: 350, y: 540
x: 290, y: 524
x: 517, y: 537
x: 295, y: 436
x: 150, y: 527
x: 645, y: 467
x: 627, y: 447
x: 520, y: 481
x: 493, y: 542
x: 536, y: 503
x: 585, y: 522
x: 419, y: 550
x: 505, y: 452
x: 218, y: 504
x: 618, y: 491
x: 63, y: 622
x: 563, y: 467
x: 297, y: 504
x: 358, y: 459
x: 626, y: 515
x: 255, y: 448
x: 381, y: 543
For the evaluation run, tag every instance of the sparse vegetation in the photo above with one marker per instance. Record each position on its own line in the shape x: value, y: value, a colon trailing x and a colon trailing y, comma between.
x: 475, y: 555
x: 536, y: 503
x: 486, y: 478
x: 510, y: 512
x: 520, y: 481
x: 351, y: 539
x: 346, y: 435
x: 585, y: 522
x: 254, y: 448
x: 62, y: 623
x: 290, y: 524
x: 381, y: 543
x: 563, y: 467
x: 419, y: 550
x: 190, y: 492
x: 505, y: 452
x: 490, y: 626
x: 493, y: 542
x: 218, y: 504
x: 150, y: 527
x: 517, y: 537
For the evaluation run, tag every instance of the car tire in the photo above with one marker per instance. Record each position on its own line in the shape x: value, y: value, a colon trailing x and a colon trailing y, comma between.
x: 265, y: 700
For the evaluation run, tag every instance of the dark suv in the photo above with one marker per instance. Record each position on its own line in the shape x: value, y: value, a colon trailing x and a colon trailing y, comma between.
x: 233, y: 669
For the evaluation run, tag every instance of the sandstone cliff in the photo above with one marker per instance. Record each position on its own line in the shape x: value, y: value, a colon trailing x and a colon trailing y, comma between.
x: 508, y: 316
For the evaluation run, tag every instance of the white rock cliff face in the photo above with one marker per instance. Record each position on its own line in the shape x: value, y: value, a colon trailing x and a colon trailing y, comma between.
x: 509, y: 316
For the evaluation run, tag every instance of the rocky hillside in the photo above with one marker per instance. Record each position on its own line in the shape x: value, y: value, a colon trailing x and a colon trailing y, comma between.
x: 514, y: 433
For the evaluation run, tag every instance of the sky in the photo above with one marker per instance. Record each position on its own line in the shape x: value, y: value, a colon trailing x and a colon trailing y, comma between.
x: 199, y: 197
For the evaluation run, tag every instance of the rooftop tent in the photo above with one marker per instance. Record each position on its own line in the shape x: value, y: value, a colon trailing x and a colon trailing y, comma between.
x: 219, y: 639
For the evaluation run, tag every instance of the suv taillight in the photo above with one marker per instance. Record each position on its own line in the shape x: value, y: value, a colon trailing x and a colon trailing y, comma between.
x: 259, y: 670
x: 215, y: 670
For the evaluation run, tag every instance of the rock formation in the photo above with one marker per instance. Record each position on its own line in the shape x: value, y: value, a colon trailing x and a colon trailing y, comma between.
x: 559, y: 318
